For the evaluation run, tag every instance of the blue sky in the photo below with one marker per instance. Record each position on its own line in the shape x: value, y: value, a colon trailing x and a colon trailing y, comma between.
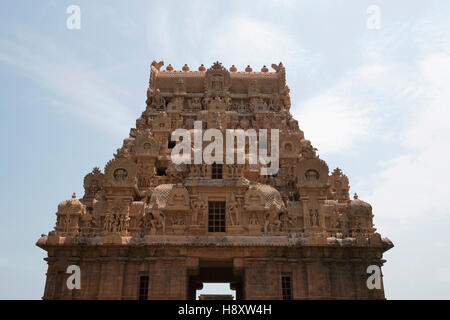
x: 374, y: 103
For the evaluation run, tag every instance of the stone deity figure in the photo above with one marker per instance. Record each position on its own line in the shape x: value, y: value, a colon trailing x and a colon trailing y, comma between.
x: 198, y: 209
x: 253, y: 220
x: 234, y: 212
x: 156, y: 218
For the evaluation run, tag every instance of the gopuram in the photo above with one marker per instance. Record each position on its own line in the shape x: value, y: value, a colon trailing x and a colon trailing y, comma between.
x: 149, y: 228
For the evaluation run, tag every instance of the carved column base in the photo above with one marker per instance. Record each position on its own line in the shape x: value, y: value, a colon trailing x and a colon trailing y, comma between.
x: 114, y: 238
x: 179, y: 229
x: 196, y: 229
x: 235, y: 229
x: 254, y: 229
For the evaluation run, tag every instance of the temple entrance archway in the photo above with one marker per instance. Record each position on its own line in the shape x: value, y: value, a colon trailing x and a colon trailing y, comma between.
x: 216, y: 291
x: 215, y: 271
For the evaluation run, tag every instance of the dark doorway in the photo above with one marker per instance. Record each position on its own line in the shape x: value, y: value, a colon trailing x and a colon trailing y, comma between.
x: 216, y: 274
x: 216, y: 291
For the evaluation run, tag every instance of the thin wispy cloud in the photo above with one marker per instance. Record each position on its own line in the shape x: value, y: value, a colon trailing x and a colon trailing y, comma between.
x: 248, y: 41
x: 334, y: 111
x: 233, y: 39
x: 76, y: 86
x: 398, y: 101
x: 409, y: 186
x: 375, y: 100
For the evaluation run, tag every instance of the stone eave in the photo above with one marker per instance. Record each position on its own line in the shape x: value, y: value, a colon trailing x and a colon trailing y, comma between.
x: 212, y: 241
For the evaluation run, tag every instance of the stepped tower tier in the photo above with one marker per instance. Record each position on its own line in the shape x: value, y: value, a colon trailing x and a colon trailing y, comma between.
x: 149, y: 227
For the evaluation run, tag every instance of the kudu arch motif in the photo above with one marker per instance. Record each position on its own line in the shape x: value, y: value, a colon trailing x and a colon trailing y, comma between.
x: 148, y: 215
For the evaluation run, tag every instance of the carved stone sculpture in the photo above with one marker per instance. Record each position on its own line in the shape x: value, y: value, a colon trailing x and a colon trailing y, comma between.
x: 149, y: 221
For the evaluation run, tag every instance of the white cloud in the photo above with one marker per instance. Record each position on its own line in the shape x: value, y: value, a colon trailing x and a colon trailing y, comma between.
x: 411, y: 192
x: 231, y: 39
x: 416, y: 183
x: 246, y: 41
x: 380, y: 102
x: 77, y: 86
x: 400, y: 108
x: 443, y: 275
x: 333, y: 122
x: 350, y: 111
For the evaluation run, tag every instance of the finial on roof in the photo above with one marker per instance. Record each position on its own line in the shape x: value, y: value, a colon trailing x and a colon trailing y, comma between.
x: 264, y: 69
x: 185, y: 68
x: 248, y: 69
x: 202, y: 68
x: 355, y: 196
x: 217, y: 66
x: 157, y: 65
x: 74, y: 195
x: 233, y: 68
x: 278, y: 67
x: 96, y: 170
x: 169, y: 67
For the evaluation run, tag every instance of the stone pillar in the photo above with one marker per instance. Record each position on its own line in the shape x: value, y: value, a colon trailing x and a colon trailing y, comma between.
x: 374, y: 293
x: 239, y: 274
x: 347, y: 280
x: 262, y: 280
x: 50, y: 291
x: 192, y: 270
x: 330, y: 266
x: 358, y: 278
x: 105, y: 279
x: 94, y: 282
x: 131, y: 279
x: 193, y: 286
x: 168, y: 279
x: 121, y: 263
x: 66, y: 293
x: 86, y: 272
x: 299, y: 281
x: 318, y: 279
x: 339, y: 282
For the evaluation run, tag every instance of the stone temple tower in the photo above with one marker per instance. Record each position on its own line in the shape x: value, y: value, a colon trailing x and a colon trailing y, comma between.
x: 148, y: 228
